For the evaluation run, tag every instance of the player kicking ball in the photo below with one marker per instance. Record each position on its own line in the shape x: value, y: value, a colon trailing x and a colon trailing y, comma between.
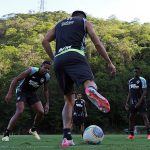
x: 71, y: 66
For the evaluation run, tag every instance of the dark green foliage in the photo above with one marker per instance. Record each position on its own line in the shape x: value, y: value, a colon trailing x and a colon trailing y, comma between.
x: 128, y: 45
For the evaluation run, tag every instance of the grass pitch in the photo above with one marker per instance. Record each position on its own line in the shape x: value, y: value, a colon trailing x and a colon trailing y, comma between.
x: 52, y: 142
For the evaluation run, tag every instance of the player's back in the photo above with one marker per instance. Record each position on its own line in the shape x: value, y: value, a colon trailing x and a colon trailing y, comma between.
x: 70, y: 34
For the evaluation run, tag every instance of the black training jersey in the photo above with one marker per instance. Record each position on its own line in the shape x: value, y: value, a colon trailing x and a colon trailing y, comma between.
x: 136, y: 86
x: 70, y: 34
x: 33, y: 81
x: 79, y: 108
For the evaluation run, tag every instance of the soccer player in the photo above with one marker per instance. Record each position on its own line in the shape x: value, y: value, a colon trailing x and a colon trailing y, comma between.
x: 136, y: 102
x: 71, y: 66
x: 79, y: 112
x: 30, y: 80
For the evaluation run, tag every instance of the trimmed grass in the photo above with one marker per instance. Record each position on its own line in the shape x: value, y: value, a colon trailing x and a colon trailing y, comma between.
x: 52, y: 142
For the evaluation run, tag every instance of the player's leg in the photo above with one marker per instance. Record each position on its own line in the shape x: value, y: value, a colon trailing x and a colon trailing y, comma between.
x: 80, y: 72
x: 147, y: 124
x: 82, y: 129
x: 39, y: 110
x: 131, y: 125
x: 13, y: 120
x: 75, y: 123
x: 68, y: 73
x: 67, y: 120
x: 66, y: 84
x: 96, y: 98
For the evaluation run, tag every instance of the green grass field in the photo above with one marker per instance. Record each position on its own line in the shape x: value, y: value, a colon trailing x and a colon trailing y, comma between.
x: 52, y: 142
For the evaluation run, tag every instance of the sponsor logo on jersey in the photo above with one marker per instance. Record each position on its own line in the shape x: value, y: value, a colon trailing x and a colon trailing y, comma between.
x: 66, y: 23
x: 79, y: 105
x: 42, y: 80
x: 134, y: 86
x: 18, y: 98
x: 64, y: 48
x: 34, y: 84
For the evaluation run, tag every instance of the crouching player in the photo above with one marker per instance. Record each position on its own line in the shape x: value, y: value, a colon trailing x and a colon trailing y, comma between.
x: 30, y: 80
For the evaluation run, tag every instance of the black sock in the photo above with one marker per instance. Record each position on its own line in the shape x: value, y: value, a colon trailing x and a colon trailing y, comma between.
x: 82, y: 134
x: 34, y: 128
x: 67, y: 134
x: 131, y: 131
x: 148, y: 130
x: 7, y: 132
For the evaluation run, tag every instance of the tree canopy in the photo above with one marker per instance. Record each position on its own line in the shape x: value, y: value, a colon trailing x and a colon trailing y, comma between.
x: 127, y: 43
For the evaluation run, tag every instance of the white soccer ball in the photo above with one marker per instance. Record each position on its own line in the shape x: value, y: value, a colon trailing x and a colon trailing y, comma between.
x: 93, y: 134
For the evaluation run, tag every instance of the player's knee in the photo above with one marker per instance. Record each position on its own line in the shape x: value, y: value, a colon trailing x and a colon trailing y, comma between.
x: 90, y: 83
x: 132, y: 118
x: 19, y: 112
x: 40, y: 112
x: 145, y: 117
x: 69, y: 102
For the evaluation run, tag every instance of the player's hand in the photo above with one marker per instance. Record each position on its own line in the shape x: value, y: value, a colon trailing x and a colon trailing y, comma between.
x: 127, y: 107
x: 138, y: 105
x: 46, y: 108
x: 112, y: 69
x: 8, y: 97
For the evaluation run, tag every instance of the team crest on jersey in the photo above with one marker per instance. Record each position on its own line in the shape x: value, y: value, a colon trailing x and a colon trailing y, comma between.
x: 42, y: 80
x: 137, y: 81
x: 18, y: 98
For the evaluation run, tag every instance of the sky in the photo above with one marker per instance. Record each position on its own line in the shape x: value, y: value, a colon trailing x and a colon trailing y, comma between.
x: 124, y: 10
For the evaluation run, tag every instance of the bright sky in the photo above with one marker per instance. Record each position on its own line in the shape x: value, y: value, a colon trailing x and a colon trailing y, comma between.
x: 125, y: 10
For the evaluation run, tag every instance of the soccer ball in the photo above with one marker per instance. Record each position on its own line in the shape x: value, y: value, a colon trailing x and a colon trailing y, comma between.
x: 93, y: 134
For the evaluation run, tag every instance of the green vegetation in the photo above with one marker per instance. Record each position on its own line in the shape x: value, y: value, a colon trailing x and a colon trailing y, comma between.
x: 128, y: 45
x: 110, y: 142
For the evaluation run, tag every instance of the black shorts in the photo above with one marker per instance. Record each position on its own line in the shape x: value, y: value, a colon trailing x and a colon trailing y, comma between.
x: 141, y: 109
x: 71, y: 68
x: 78, y: 120
x: 28, y: 97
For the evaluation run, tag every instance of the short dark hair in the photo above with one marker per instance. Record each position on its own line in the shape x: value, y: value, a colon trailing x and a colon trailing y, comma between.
x: 46, y: 62
x: 79, y: 13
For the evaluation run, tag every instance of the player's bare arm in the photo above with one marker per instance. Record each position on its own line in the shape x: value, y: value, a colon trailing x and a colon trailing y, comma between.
x: 50, y: 36
x: 127, y: 101
x: 99, y: 46
x: 46, y: 95
x: 141, y: 98
x: 85, y: 111
x: 14, y: 83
